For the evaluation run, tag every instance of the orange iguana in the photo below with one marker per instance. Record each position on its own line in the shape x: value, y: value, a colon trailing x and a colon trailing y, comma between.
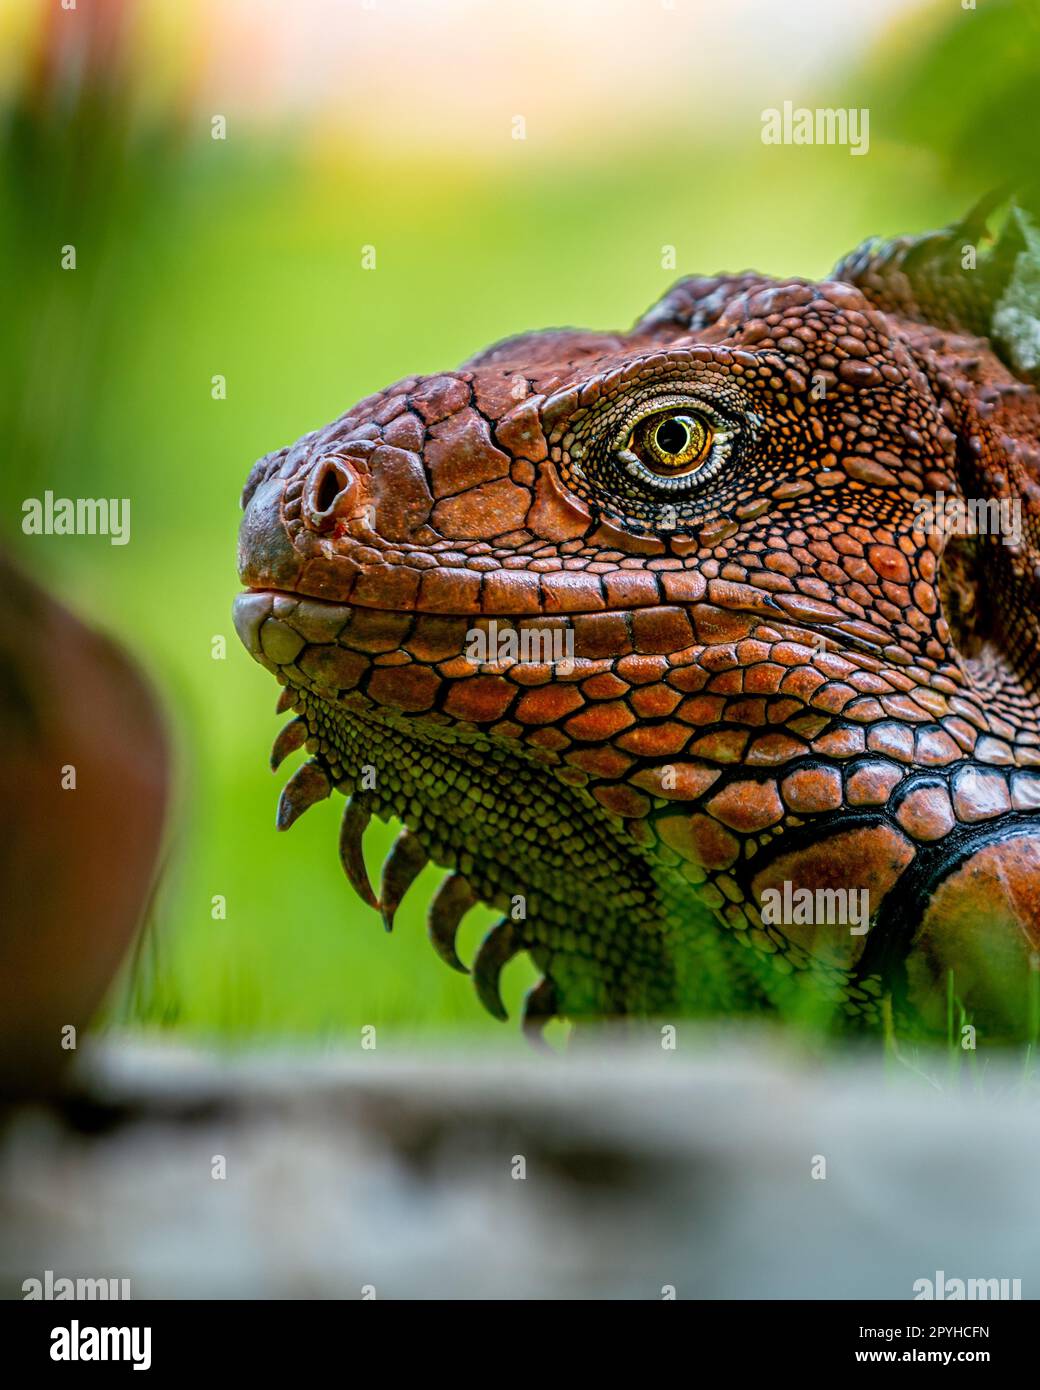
x: 670, y: 643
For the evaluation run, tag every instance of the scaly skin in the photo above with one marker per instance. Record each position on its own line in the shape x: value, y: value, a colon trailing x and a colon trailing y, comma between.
x: 779, y: 673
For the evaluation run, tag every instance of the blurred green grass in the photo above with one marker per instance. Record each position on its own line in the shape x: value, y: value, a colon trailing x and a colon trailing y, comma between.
x: 243, y: 258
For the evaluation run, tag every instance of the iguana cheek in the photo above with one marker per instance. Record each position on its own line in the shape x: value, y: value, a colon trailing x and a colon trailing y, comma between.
x: 867, y: 861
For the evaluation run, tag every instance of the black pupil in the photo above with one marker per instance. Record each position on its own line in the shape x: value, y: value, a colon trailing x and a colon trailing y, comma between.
x: 672, y: 436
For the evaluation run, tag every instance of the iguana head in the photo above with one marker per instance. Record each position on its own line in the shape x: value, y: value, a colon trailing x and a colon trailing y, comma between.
x: 644, y: 636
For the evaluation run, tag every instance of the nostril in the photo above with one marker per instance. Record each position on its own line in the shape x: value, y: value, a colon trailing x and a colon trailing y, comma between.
x: 327, y: 492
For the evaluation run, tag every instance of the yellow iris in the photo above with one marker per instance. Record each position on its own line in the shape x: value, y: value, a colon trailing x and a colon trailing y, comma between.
x: 672, y: 443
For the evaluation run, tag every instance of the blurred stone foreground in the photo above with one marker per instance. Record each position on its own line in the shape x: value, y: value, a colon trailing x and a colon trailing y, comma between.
x: 643, y: 1169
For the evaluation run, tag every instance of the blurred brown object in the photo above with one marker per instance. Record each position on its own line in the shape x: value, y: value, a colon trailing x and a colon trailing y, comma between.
x: 84, y: 785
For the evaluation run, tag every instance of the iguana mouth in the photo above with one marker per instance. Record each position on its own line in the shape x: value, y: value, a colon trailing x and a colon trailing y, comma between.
x: 512, y: 825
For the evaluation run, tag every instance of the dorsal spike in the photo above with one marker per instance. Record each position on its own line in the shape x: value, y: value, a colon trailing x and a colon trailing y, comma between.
x: 932, y: 278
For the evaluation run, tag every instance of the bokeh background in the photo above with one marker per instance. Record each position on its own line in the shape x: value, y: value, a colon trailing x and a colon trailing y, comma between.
x: 388, y: 124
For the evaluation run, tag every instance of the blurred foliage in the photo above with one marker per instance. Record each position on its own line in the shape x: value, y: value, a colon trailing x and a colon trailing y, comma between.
x: 970, y: 94
x: 243, y: 257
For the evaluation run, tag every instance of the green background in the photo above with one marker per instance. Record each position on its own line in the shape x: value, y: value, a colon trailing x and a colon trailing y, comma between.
x: 242, y: 257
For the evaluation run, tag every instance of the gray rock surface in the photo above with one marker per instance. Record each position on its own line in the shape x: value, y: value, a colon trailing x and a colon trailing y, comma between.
x: 644, y: 1169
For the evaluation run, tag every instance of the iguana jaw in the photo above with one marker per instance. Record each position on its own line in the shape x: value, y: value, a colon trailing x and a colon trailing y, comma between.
x: 512, y: 823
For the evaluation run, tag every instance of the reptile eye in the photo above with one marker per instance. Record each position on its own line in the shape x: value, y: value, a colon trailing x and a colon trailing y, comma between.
x: 671, y: 443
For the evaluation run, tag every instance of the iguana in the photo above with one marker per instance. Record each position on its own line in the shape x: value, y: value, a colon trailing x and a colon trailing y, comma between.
x: 666, y: 643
